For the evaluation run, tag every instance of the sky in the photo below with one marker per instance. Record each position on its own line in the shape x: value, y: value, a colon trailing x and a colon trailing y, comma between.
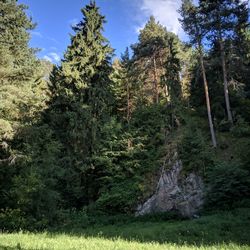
x: 125, y: 18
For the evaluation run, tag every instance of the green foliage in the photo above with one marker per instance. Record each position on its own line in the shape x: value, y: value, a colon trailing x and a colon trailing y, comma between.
x: 12, y: 219
x: 87, y: 138
x: 22, y: 98
x: 121, y: 198
x: 172, y: 76
x: 241, y: 128
x: 194, y: 150
x: 129, y: 154
x: 79, y: 107
x: 224, y: 126
x: 228, y: 185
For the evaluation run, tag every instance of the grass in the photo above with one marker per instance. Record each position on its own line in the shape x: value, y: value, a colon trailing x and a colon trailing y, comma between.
x: 58, y: 242
x: 227, y: 230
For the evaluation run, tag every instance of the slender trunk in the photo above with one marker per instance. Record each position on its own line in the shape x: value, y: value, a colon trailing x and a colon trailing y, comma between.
x: 207, y: 98
x: 156, y: 91
x: 224, y: 69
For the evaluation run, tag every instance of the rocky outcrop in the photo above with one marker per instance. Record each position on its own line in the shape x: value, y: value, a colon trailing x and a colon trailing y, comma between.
x: 175, y: 192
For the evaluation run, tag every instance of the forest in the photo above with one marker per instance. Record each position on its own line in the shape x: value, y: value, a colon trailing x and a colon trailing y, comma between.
x: 85, y: 143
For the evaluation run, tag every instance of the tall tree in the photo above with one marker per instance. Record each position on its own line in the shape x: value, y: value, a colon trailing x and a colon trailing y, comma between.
x: 79, y: 106
x: 192, y: 25
x: 122, y: 85
x: 171, y: 78
x: 22, y: 98
x: 149, y: 54
x: 239, y: 57
x: 16, y: 74
x: 172, y: 75
x: 220, y: 22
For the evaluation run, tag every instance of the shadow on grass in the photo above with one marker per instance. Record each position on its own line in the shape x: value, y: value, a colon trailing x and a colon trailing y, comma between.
x: 221, y: 228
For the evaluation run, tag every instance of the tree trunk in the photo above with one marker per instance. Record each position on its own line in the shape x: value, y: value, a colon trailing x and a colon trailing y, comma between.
x: 207, y: 98
x: 224, y: 69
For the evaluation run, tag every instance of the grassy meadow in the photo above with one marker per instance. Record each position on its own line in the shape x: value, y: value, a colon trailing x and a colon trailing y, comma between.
x: 225, y: 230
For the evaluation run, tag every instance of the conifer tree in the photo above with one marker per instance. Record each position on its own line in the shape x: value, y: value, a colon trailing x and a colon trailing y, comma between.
x: 172, y: 76
x: 192, y: 25
x: 79, y: 106
x: 149, y: 54
x: 220, y: 22
x: 122, y: 86
x: 17, y: 74
x: 22, y: 97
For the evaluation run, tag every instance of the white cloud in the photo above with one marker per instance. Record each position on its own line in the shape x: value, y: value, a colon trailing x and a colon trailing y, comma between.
x: 165, y: 11
x: 55, y: 56
x: 36, y: 33
x: 73, y: 22
x: 52, y: 57
x: 47, y: 58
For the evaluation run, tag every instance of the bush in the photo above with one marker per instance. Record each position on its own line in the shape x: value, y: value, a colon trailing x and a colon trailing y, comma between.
x: 73, y: 219
x: 12, y: 220
x: 224, y: 126
x: 194, y: 151
x: 120, y: 199
x: 241, y: 128
x: 16, y: 220
x: 228, y: 185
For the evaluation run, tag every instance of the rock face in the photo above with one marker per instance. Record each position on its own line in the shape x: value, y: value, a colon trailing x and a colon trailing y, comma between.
x: 175, y: 192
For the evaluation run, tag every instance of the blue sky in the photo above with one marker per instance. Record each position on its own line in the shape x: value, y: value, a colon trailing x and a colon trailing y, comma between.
x: 124, y: 19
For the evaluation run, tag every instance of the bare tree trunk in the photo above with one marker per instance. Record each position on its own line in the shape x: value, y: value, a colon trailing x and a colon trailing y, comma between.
x: 156, y: 91
x: 225, y: 82
x: 207, y: 98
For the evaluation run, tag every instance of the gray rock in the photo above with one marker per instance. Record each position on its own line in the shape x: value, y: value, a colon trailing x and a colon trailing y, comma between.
x: 175, y: 192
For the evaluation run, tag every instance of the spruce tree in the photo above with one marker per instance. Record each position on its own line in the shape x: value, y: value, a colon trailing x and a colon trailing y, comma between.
x: 171, y: 78
x: 79, y: 106
x: 122, y: 86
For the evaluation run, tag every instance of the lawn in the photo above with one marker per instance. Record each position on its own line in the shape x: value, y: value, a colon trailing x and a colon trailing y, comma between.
x: 229, y: 230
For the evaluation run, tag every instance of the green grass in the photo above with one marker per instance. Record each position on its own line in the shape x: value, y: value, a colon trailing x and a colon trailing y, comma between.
x: 60, y: 242
x: 227, y: 230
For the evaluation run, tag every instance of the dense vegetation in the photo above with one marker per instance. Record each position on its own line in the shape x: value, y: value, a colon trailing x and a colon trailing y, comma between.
x: 86, y: 138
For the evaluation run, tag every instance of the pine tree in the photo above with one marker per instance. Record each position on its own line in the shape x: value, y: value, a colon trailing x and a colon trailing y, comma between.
x: 220, y: 21
x: 239, y: 57
x: 192, y: 25
x: 22, y: 98
x: 79, y: 106
x: 149, y: 54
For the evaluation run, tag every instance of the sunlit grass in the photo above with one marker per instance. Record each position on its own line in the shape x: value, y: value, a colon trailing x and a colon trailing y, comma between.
x: 45, y: 241
x: 223, y: 230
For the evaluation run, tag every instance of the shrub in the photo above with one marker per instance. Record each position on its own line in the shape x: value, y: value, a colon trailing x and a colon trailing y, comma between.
x: 194, y: 151
x: 12, y: 219
x: 228, y: 185
x: 241, y: 128
x: 224, y: 126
